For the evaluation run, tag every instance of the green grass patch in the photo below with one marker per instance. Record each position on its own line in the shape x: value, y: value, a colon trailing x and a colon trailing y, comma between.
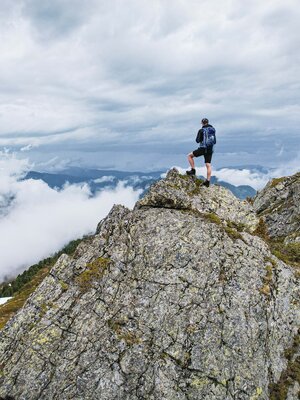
x: 237, y: 226
x: 275, y: 181
x: 232, y: 233
x: 230, y: 228
x: 262, y: 230
x: 288, y: 253
x: 292, y: 252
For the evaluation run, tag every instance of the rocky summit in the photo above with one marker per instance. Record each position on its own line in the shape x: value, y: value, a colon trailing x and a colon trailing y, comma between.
x: 176, y: 299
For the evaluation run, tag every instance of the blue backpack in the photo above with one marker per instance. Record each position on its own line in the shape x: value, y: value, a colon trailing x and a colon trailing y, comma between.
x: 209, y: 137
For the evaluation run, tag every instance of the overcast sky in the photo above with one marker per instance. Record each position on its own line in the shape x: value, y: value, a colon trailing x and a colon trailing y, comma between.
x: 124, y: 83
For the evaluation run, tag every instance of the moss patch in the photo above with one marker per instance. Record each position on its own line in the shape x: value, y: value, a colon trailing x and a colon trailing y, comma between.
x: 237, y: 226
x: 63, y: 285
x: 196, y: 190
x: 229, y: 228
x: 288, y: 253
x: 213, y: 218
x: 94, y: 271
x: 232, y: 233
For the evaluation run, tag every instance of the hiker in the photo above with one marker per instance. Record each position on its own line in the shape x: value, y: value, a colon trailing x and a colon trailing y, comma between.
x: 207, y: 138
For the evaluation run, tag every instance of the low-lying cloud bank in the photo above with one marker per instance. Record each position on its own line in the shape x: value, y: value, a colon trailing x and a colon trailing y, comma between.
x: 253, y: 177
x: 36, y: 220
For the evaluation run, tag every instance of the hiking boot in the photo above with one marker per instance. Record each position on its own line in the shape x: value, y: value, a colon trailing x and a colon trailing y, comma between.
x: 206, y: 183
x: 192, y: 172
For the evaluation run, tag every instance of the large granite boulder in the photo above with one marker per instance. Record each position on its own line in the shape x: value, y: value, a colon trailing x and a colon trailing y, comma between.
x: 176, y: 299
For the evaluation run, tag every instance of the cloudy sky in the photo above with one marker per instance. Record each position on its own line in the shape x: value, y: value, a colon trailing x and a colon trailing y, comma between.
x: 124, y: 84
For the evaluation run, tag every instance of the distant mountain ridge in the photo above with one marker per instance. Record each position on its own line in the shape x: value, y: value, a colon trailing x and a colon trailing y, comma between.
x: 138, y: 180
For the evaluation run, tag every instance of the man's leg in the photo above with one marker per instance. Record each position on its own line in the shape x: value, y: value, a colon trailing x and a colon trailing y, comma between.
x: 207, y: 160
x: 208, y: 167
x: 191, y: 160
x: 192, y: 172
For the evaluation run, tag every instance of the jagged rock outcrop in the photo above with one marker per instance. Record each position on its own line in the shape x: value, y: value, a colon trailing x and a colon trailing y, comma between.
x: 279, y: 204
x: 181, y: 193
x: 168, y: 301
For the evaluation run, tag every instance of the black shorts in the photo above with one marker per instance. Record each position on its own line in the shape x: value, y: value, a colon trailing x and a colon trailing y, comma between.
x: 207, y: 153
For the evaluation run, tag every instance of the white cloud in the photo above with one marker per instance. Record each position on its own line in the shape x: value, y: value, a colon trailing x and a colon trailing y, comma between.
x: 41, y: 220
x: 104, y: 179
x: 29, y: 147
x: 242, y: 177
x: 11, y: 169
x: 252, y: 177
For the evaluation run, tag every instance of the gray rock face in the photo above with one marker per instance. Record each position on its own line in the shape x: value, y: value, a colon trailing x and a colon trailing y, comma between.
x: 279, y: 204
x: 163, y: 303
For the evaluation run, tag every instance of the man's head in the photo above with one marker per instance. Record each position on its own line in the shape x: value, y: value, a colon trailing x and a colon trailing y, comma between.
x: 204, y: 121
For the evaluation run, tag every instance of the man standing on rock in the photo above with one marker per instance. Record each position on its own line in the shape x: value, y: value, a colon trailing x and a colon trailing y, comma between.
x: 207, y: 138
